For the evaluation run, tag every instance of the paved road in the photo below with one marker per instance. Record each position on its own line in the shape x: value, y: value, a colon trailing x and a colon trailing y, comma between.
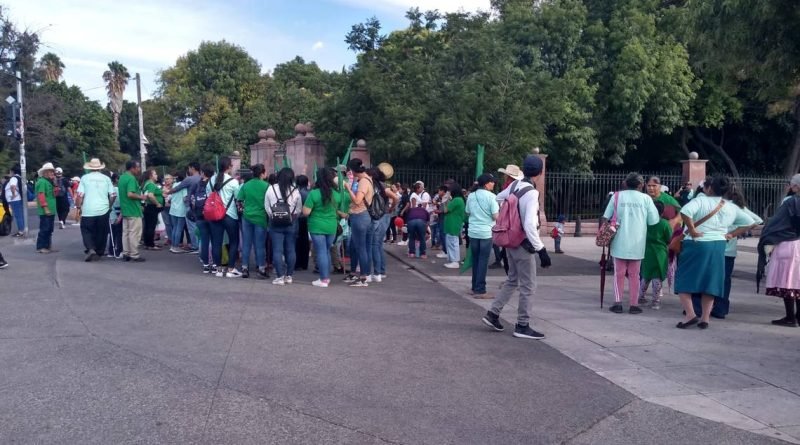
x: 115, y: 352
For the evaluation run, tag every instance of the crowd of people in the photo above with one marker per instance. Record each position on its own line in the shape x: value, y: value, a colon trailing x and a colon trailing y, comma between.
x: 686, y: 242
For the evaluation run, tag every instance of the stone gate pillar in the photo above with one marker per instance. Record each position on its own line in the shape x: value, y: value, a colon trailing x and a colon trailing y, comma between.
x: 304, y: 150
x: 263, y: 152
x: 360, y: 151
x: 541, y: 186
x: 694, y: 169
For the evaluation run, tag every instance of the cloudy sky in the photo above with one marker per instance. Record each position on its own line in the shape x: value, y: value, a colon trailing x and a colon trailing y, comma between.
x: 149, y: 35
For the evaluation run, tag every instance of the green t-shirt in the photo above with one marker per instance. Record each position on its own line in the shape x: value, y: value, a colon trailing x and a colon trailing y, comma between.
x: 151, y: 187
x: 251, y: 193
x: 323, y: 219
x: 131, y: 208
x: 454, y: 218
x: 44, y: 185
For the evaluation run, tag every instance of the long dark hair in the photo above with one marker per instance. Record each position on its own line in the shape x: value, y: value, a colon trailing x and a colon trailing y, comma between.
x: 325, y: 183
x: 736, y: 196
x: 377, y: 179
x: 224, y: 165
x: 286, y: 181
x: 456, y: 191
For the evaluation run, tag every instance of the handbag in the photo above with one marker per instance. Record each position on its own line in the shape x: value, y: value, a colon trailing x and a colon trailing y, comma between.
x: 676, y: 244
x: 609, y: 228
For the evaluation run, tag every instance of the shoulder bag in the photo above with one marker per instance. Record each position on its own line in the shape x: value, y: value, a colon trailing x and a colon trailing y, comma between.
x: 676, y: 244
x: 609, y: 228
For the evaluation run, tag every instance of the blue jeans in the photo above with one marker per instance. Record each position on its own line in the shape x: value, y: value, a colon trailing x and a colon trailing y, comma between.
x: 481, y: 249
x: 416, y: 232
x: 178, y: 223
x: 453, y: 253
x: 378, y: 255
x: 283, y: 245
x: 361, y: 234
x: 45, y: 238
x: 191, y: 226
x: 442, y: 235
x: 19, y: 214
x: 435, y: 240
x: 254, y: 237
x: 218, y: 230
x: 205, y: 240
x: 322, y: 250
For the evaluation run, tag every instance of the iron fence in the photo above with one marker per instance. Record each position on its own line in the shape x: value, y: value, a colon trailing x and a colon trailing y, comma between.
x: 584, y: 195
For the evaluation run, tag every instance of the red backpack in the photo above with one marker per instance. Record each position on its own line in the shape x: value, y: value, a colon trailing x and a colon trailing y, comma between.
x: 508, y: 231
x: 214, y: 209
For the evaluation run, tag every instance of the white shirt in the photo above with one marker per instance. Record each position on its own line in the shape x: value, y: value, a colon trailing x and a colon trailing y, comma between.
x: 13, y: 181
x: 423, y: 199
x: 294, y: 200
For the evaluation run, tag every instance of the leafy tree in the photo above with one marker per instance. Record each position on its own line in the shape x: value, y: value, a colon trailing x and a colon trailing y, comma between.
x: 116, y: 79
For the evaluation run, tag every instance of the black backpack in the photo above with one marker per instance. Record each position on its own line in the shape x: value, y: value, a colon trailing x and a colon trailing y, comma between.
x: 198, y: 200
x: 281, y: 210
x: 377, y: 208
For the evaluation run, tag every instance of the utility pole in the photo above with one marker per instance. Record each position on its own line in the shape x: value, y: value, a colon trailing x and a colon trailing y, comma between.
x: 142, y: 148
x: 22, y: 163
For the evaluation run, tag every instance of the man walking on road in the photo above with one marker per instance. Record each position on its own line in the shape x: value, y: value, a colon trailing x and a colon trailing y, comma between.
x: 130, y: 203
x: 94, y: 198
x: 521, y: 265
x: 46, y: 201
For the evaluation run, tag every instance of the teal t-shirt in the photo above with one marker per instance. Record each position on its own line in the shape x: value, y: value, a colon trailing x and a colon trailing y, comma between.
x: 635, y: 211
x: 733, y: 244
x: 96, y: 189
x: 228, y: 192
x: 715, y: 229
x: 177, y: 207
x: 481, y: 205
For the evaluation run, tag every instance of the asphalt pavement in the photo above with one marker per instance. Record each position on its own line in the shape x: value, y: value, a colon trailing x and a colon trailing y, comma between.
x: 157, y: 352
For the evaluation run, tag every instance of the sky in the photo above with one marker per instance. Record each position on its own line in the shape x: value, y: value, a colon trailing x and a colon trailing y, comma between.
x: 149, y: 35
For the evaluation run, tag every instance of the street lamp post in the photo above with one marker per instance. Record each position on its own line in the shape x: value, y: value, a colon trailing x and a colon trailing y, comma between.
x: 22, y: 162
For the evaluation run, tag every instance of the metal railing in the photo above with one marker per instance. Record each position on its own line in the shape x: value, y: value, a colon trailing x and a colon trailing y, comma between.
x: 583, y: 195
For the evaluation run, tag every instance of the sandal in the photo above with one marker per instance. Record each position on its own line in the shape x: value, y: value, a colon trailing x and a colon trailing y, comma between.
x: 684, y: 325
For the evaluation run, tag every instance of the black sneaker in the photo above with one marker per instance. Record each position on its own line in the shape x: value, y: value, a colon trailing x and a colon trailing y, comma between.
x: 263, y: 274
x: 635, y: 310
x: 525, y: 331
x: 789, y: 323
x: 214, y: 269
x: 206, y: 268
x: 3, y: 264
x: 493, y: 321
x: 245, y: 272
x: 617, y: 309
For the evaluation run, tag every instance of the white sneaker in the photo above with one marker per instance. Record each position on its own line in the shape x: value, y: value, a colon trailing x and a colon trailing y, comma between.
x: 383, y: 276
x: 402, y: 243
x: 369, y: 278
x: 374, y: 279
x: 287, y: 280
x: 220, y: 272
x: 441, y: 255
x: 278, y: 281
x: 62, y: 224
x: 320, y: 283
x: 233, y: 273
x: 454, y: 265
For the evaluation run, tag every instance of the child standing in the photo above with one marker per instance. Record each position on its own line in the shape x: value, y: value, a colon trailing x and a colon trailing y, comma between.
x: 558, y: 232
x: 654, y: 265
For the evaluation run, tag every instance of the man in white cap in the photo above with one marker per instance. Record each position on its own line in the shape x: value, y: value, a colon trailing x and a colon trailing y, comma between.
x: 63, y: 193
x: 46, y: 202
x: 95, y: 195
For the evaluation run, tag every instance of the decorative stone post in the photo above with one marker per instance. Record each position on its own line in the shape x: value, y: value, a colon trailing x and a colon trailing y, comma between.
x: 304, y: 150
x: 263, y: 152
x: 694, y: 169
x: 541, y: 186
x: 236, y: 161
x: 360, y: 151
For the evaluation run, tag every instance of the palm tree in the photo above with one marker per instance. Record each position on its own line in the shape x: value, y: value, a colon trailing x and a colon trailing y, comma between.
x: 116, y: 79
x: 52, y: 67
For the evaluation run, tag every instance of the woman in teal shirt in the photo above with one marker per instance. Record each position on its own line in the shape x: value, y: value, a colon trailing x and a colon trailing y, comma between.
x: 701, y: 264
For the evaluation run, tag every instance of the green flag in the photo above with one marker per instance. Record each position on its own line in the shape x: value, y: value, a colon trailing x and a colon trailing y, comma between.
x: 315, y: 170
x: 479, y: 161
x: 467, y: 264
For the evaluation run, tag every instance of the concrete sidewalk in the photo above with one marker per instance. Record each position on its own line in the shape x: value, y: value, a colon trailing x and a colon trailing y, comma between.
x: 740, y: 372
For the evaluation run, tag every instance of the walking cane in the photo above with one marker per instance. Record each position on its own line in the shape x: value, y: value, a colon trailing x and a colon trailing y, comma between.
x: 111, y: 235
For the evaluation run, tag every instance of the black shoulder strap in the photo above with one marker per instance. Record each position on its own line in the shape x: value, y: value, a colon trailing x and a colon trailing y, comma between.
x: 223, y: 184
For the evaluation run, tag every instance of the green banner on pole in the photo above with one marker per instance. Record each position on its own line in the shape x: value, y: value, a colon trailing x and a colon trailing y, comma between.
x: 479, y: 160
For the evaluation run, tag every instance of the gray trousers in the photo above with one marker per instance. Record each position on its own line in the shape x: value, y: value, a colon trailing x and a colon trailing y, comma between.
x: 522, y: 275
